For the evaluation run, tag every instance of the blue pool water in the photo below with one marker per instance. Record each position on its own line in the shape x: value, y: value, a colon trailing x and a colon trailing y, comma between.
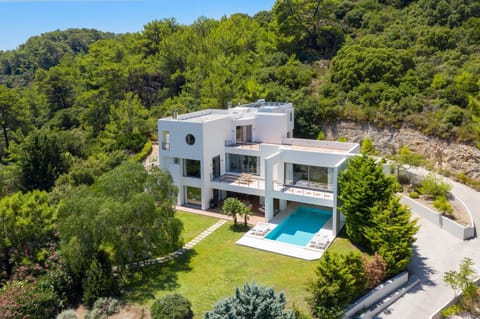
x: 300, y: 226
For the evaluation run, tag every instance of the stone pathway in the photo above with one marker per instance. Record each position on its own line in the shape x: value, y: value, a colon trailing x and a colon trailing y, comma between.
x: 180, y: 251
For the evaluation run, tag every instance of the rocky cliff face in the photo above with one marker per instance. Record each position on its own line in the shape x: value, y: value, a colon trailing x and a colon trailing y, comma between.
x: 452, y: 157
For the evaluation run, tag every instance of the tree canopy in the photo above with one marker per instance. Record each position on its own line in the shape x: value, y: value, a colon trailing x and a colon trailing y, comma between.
x: 127, y: 212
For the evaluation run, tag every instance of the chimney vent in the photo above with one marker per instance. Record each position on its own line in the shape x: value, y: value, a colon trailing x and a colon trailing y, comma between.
x: 175, y: 114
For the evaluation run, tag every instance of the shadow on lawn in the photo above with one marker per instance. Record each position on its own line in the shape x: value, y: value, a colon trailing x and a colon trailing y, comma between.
x: 142, y: 284
x: 239, y: 228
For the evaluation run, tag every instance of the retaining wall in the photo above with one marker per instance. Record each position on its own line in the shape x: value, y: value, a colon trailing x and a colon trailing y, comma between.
x: 377, y: 294
x: 450, y: 226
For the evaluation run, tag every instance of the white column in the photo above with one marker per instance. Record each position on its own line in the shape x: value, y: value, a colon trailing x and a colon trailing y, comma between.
x: 335, y: 217
x: 269, y: 161
x: 283, y: 204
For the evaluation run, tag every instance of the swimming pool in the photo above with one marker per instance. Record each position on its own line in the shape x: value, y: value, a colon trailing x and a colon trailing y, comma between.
x: 300, y: 226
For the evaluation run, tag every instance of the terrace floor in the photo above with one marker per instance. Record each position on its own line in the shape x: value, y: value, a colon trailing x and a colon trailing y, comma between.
x: 262, y: 243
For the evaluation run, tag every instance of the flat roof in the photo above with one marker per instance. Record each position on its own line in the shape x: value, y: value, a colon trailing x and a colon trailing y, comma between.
x: 305, y: 145
x: 205, y: 117
x: 241, y: 110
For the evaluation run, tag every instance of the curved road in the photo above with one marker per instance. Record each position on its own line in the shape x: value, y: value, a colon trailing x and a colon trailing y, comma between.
x: 436, y: 252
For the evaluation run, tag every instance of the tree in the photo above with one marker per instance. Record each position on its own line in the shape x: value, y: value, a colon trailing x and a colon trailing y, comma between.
x: 171, y: 307
x: 463, y: 280
x: 128, y: 124
x: 253, y: 302
x: 42, y: 160
x: 362, y: 185
x: 406, y: 157
x: 339, y: 280
x: 232, y: 207
x: 27, y: 225
x: 127, y: 210
x: 367, y: 147
x: 392, y: 234
x: 99, y: 280
x: 307, y: 29
x: 12, y: 115
x: 246, y: 212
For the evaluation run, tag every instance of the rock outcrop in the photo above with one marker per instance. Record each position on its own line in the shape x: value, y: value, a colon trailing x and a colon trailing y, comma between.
x: 452, y: 157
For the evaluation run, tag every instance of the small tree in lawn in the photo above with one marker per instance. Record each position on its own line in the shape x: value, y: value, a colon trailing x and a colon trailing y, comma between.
x: 339, y: 280
x: 253, y: 302
x: 246, y: 213
x: 232, y: 207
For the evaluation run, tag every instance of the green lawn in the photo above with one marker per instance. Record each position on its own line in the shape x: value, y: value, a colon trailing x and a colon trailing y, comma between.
x: 194, y: 224
x: 217, y: 265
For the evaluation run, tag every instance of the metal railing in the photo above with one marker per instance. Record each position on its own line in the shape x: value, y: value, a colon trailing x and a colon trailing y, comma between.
x: 244, y: 180
x: 302, y: 191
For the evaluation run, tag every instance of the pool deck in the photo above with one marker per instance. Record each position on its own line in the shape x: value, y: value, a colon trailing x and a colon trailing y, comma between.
x: 307, y: 253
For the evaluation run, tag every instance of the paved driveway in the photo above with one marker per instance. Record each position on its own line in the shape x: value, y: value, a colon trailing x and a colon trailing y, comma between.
x: 436, y: 252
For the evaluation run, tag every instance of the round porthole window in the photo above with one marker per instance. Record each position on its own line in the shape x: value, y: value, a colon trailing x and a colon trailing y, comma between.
x: 190, y: 139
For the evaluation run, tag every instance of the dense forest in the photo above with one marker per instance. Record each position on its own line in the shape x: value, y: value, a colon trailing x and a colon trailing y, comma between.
x: 75, y: 104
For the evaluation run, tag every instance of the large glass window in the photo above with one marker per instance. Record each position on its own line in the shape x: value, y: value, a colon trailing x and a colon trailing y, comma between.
x: 191, y: 168
x: 244, y: 134
x: 243, y: 164
x: 308, y: 176
x: 193, y: 196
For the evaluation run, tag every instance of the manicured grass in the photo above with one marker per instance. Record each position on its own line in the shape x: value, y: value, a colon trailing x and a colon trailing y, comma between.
x: 215, y: 267
x: 194, y: 224
x: 342, y: 245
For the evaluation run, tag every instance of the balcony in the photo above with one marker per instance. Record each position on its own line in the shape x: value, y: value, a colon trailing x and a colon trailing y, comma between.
x: 243, y: 145
x: 244, y: 183
x: 321, y: 194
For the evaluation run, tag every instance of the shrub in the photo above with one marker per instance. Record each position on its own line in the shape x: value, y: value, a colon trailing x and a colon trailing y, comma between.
x: 375, y: 270
x: 451, y: 311
x: 253, y: 302
x: 103, y: 307
x: 67, y: 314
x: 34, y: 299
x: 414, y: 195
x: 433, y: 187
x: 320, y: 136
x: 171, y: 307
x: 339, y: 280
x: 99, y: 280
x: 443, y: 206
x: 142, y: 155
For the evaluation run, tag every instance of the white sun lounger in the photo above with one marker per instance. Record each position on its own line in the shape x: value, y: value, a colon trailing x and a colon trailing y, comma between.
x: 260, y: 229
x: 319, y: 241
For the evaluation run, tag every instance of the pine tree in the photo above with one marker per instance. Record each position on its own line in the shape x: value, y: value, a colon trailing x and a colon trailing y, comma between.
x: 392, y: 234
x: 362, y: 185
x: 253, y: 302
x: 340, y: 279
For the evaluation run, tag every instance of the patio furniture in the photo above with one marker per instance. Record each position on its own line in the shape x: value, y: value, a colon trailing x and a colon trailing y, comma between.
x: 319, y: 241
x: 260, y: 229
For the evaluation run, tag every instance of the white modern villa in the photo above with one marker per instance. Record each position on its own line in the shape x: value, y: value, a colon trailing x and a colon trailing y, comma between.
x: 250, y: 150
